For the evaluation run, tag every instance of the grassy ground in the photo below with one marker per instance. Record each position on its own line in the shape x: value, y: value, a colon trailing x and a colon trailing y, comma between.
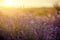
x: 32, y: 24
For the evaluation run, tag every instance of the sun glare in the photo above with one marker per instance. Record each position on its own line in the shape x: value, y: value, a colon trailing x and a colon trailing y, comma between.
x: 27, y: 3
x: 11, y: 3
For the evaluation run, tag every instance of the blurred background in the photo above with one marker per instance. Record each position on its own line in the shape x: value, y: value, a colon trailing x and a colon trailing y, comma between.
x: 29, y: 19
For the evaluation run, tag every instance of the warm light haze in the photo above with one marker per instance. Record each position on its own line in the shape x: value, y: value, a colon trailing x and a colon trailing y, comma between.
x: 29, y: 19
x: 26, y: 3
x: 9, y: 7
x: 11, y: 3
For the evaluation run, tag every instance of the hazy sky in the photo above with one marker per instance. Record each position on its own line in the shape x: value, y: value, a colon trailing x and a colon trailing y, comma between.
x: 31, y: 3
x: 39, y: 3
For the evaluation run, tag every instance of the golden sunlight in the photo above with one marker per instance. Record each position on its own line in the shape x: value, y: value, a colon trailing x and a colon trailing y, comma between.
x: 10, y: 7
x: 11, y: 3
x: 27, y: 3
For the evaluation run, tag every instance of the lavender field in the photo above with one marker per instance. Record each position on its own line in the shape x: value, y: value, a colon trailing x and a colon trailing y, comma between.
x: 29, y: 27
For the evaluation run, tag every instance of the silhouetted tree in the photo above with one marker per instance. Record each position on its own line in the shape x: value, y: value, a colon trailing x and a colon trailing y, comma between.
x: 57, y: 7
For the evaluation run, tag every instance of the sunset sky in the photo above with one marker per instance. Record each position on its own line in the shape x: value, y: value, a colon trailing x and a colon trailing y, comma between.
x: 27, y: 3
x: 8, y: 7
